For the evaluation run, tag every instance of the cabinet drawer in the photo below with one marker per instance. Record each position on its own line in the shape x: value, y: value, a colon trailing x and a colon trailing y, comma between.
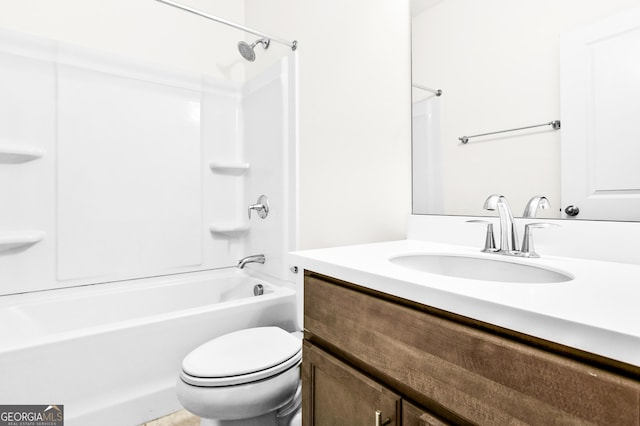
x: 453, y: 368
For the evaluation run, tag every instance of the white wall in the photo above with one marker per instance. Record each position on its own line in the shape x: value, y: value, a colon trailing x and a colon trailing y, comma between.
x: 354, y: 97
x: 354, y: 114
x: 497, y: 62
x: 143, y: 29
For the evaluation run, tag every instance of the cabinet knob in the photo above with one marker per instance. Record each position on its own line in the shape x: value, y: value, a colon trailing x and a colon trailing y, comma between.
x: 379, y: 421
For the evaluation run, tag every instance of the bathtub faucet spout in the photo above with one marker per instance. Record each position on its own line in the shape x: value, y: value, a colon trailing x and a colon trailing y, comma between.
x: 256, y: 258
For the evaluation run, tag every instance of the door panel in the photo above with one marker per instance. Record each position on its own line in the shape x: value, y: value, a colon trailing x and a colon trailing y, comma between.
x: 600, y: 92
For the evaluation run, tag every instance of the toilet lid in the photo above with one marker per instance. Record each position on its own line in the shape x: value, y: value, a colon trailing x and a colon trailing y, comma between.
x: 262, y: 350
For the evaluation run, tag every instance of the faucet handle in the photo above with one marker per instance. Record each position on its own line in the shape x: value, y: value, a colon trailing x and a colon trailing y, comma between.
x: 262, y: 207
x: 489, y: 241
x: 527, y: 242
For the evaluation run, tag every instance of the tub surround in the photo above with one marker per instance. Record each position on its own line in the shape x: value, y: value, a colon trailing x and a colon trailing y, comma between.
x: 191, y: 143
x: 595, y: 312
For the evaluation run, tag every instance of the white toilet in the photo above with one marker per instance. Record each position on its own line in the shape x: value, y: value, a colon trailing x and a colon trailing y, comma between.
x: 248, y: 377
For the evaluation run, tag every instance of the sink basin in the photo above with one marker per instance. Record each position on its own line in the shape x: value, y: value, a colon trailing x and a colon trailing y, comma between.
x: 480, y: 268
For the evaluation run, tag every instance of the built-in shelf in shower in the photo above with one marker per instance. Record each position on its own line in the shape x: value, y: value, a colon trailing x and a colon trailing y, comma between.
x: 235, y: 167
x: 10, y: 240
x: 19, y: 154
x: 228, y: 228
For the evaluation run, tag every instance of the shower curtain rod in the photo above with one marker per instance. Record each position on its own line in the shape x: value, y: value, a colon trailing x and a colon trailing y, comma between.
x: 437, y: 92
x: 292, y: 44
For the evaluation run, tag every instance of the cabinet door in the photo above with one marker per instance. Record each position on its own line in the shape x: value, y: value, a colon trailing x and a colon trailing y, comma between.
x: 334, y: 394
x: 414, y: 416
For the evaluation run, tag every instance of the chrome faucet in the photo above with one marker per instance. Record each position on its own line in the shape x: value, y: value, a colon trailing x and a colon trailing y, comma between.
x: 508, y: 232
x: 539, y: 201
x: 255, y: 258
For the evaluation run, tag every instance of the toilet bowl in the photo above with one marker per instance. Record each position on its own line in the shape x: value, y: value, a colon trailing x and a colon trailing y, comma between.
x: 244, y: 378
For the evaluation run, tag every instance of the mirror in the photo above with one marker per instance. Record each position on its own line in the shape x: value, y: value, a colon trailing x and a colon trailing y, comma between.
x: 497, y: 63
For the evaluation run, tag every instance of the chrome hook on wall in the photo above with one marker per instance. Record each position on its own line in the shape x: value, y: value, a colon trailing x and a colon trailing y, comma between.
x: 261, y: 206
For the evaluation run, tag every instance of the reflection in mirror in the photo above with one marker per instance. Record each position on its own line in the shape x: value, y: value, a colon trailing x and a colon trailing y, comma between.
x: 498, y: 65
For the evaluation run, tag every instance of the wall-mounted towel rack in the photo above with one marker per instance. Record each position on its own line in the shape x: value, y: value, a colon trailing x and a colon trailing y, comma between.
x: 437, y: 92
x: 555, y: 124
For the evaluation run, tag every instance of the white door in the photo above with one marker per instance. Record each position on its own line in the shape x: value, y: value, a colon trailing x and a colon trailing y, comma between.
x: 600, y: 92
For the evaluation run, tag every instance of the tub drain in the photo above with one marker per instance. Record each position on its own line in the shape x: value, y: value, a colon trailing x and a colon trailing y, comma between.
x: 258, y: 289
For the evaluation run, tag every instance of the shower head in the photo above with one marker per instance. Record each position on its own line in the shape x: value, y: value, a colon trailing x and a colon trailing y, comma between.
x: 247, y: 50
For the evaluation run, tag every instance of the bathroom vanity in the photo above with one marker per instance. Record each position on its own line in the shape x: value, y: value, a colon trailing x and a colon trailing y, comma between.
x: 387, y: 344
x: 417, y: 365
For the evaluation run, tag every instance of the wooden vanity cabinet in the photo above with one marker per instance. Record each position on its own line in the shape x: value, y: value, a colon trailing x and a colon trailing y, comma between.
x: 335, y: 394
x: 366, y: 351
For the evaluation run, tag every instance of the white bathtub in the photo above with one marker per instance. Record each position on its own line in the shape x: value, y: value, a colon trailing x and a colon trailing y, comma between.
x: 110, y: 353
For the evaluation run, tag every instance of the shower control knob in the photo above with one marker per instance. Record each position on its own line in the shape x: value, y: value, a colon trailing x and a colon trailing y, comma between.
x: 261, y: 207
x: 572, y: 211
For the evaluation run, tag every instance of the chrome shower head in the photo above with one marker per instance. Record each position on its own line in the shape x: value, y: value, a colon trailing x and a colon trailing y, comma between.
x: 247, y: 50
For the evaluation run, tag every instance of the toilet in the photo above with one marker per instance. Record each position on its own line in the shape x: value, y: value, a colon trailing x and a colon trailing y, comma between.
x: 249, y: 377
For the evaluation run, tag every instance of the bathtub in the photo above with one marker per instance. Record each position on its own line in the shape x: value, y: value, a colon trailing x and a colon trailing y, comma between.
x: 111, y: 353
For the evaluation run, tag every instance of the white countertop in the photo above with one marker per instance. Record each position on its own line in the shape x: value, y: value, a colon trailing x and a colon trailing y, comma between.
x: 598, y: 311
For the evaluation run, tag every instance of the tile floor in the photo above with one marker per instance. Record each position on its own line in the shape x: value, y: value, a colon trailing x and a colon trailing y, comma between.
x: 179, y: 418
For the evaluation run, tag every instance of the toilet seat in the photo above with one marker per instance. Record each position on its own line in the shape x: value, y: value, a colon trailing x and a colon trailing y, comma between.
x: 243, y: 356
